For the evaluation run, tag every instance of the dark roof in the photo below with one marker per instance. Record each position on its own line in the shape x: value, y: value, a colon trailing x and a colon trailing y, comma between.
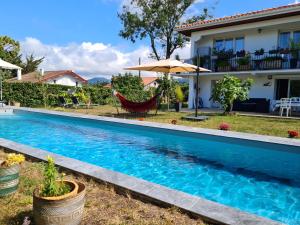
x: 34, y: 76
x: 242, y: 18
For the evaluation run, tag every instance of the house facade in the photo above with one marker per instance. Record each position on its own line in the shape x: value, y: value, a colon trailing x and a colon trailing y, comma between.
x: 149, y: 82
x: 61, y: 77
x: 261, y: 45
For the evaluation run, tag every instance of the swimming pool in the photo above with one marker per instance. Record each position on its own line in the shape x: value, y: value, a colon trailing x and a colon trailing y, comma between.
x: 256, y: 177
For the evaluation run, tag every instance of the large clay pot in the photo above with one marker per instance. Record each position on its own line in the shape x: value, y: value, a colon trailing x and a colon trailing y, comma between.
x: 60, y: 210
x: 9, y: 180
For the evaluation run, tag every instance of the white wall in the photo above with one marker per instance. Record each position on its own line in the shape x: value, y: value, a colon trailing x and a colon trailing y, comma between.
x: 65, y: 80
x: 258, y: 90
x: 267, y: 38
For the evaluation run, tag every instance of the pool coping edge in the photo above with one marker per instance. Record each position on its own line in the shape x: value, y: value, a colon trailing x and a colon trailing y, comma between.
x: 155, y: 193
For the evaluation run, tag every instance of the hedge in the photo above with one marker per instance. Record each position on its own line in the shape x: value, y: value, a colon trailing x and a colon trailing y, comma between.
x: 37, y: 94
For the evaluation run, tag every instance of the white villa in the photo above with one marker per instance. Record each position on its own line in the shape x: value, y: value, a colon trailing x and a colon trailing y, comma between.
x: 257, y: 45
x: 62, y: 77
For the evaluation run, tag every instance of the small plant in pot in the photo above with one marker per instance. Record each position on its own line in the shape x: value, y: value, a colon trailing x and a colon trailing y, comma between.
x: 179, y: 98
x: 58, y: 201
x: 244, y: 63
x: 9, y: 174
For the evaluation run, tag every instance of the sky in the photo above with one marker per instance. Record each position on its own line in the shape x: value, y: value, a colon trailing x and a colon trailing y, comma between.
x: 83, y: 35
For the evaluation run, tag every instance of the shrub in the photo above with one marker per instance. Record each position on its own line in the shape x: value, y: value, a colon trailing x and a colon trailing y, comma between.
x: 37, y: 94
x: 224, y: 126
x: 293, y: 133
x: 229, y: 89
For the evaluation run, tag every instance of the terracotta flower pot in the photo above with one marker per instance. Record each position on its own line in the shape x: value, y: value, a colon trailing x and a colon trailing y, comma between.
x: 9, y: 180
x: 60, y: 210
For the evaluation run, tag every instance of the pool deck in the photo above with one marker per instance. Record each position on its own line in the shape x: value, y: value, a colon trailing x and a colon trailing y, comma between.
x: 148, y: 191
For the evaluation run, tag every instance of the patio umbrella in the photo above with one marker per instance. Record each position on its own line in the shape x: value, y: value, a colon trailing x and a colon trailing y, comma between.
x: 167, y: 66
x: 172, y: 66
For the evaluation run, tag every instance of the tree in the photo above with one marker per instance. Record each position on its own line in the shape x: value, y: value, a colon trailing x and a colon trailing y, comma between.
x: 130, y: 86
x: 156, y: 20
x: 31, y: 64
x: 229, y: 89
x: 10, y: 50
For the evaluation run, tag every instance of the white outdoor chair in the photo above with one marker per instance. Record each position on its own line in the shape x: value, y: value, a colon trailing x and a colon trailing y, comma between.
x: 295, y: 103
x: 285, y: 104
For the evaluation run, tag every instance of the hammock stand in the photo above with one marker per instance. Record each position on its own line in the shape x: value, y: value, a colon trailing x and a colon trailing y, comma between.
x: 138, y: 107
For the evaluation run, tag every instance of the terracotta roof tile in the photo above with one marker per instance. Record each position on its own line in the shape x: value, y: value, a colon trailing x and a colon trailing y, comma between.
x: 241, y: 15
x: 148, y: 80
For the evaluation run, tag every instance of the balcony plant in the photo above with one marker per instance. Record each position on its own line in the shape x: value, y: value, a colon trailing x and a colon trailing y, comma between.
x: 259, y: 52
x: 271, y: 62
x: 244, y: 63
x: 58, y: 201
x: 179, y: 98
x: 9, y: 174
x: 241, y: 53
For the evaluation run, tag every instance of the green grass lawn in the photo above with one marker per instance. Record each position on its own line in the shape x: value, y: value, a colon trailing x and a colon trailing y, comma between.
x: 247, y: 124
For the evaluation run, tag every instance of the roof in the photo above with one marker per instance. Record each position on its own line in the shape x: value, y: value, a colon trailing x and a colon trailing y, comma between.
x: 148, y: 80
x: 7, y: 65
x: 242, y: 18
x: 34, y: 76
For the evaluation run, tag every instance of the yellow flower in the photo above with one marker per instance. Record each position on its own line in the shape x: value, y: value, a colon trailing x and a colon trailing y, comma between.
x: 13, y: 159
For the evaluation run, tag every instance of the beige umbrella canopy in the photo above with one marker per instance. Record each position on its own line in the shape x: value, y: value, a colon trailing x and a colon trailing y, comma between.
x: 167, y: 66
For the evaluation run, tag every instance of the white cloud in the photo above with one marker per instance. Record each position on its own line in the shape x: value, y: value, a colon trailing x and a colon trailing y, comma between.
x: 86, y: 58
x: 89, y: 59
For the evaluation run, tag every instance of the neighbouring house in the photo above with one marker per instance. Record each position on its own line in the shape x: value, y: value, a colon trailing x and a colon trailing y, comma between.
x: 62, y: 77
x: 258, y: 45
x: 150, y: 82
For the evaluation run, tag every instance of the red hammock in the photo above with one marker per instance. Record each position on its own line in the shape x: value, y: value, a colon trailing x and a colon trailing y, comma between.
x: 138, y: 107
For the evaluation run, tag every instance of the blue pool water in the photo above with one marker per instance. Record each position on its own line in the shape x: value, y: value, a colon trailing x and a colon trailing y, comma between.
x: 258, y: 178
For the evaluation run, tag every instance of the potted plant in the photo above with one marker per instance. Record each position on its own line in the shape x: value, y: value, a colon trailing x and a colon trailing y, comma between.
x: 9, y: 173
x: 259, y: 52
x: 244, y: 63
x: 223, y: 65
x: 56, y: 200
x: 271, y: 62
x: 179, y: 98
x: 241, y: 53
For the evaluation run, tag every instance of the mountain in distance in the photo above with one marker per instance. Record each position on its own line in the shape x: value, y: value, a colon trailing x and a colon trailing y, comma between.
x: 98, y: 80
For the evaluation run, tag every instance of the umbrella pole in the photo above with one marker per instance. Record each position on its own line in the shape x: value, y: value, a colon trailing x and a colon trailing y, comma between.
x: 197, y: 85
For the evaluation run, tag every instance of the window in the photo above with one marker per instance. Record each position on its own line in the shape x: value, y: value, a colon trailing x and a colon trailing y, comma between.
x: 284, y: 40
x: 228, y: 44
x: 296, y: 37
x: 294, y: 88
x: 239, y: 44
x: 54, y: 81
x: 236, y: 44
x: 219, y: 45
x: 76, y: 83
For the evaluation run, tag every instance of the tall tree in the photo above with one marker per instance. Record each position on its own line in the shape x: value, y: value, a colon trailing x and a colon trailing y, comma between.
x: 156, y: 20
x: 31, y: 64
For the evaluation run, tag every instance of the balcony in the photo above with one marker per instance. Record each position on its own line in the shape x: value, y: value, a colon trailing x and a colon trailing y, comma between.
x: 241, y: 61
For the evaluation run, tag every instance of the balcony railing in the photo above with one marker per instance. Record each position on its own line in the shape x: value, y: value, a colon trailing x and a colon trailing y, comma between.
x: 249, y: 62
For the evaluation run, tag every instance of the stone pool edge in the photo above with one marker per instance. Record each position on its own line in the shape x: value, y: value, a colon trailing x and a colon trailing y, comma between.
x: 147, y: 191
x: 171, y: 127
